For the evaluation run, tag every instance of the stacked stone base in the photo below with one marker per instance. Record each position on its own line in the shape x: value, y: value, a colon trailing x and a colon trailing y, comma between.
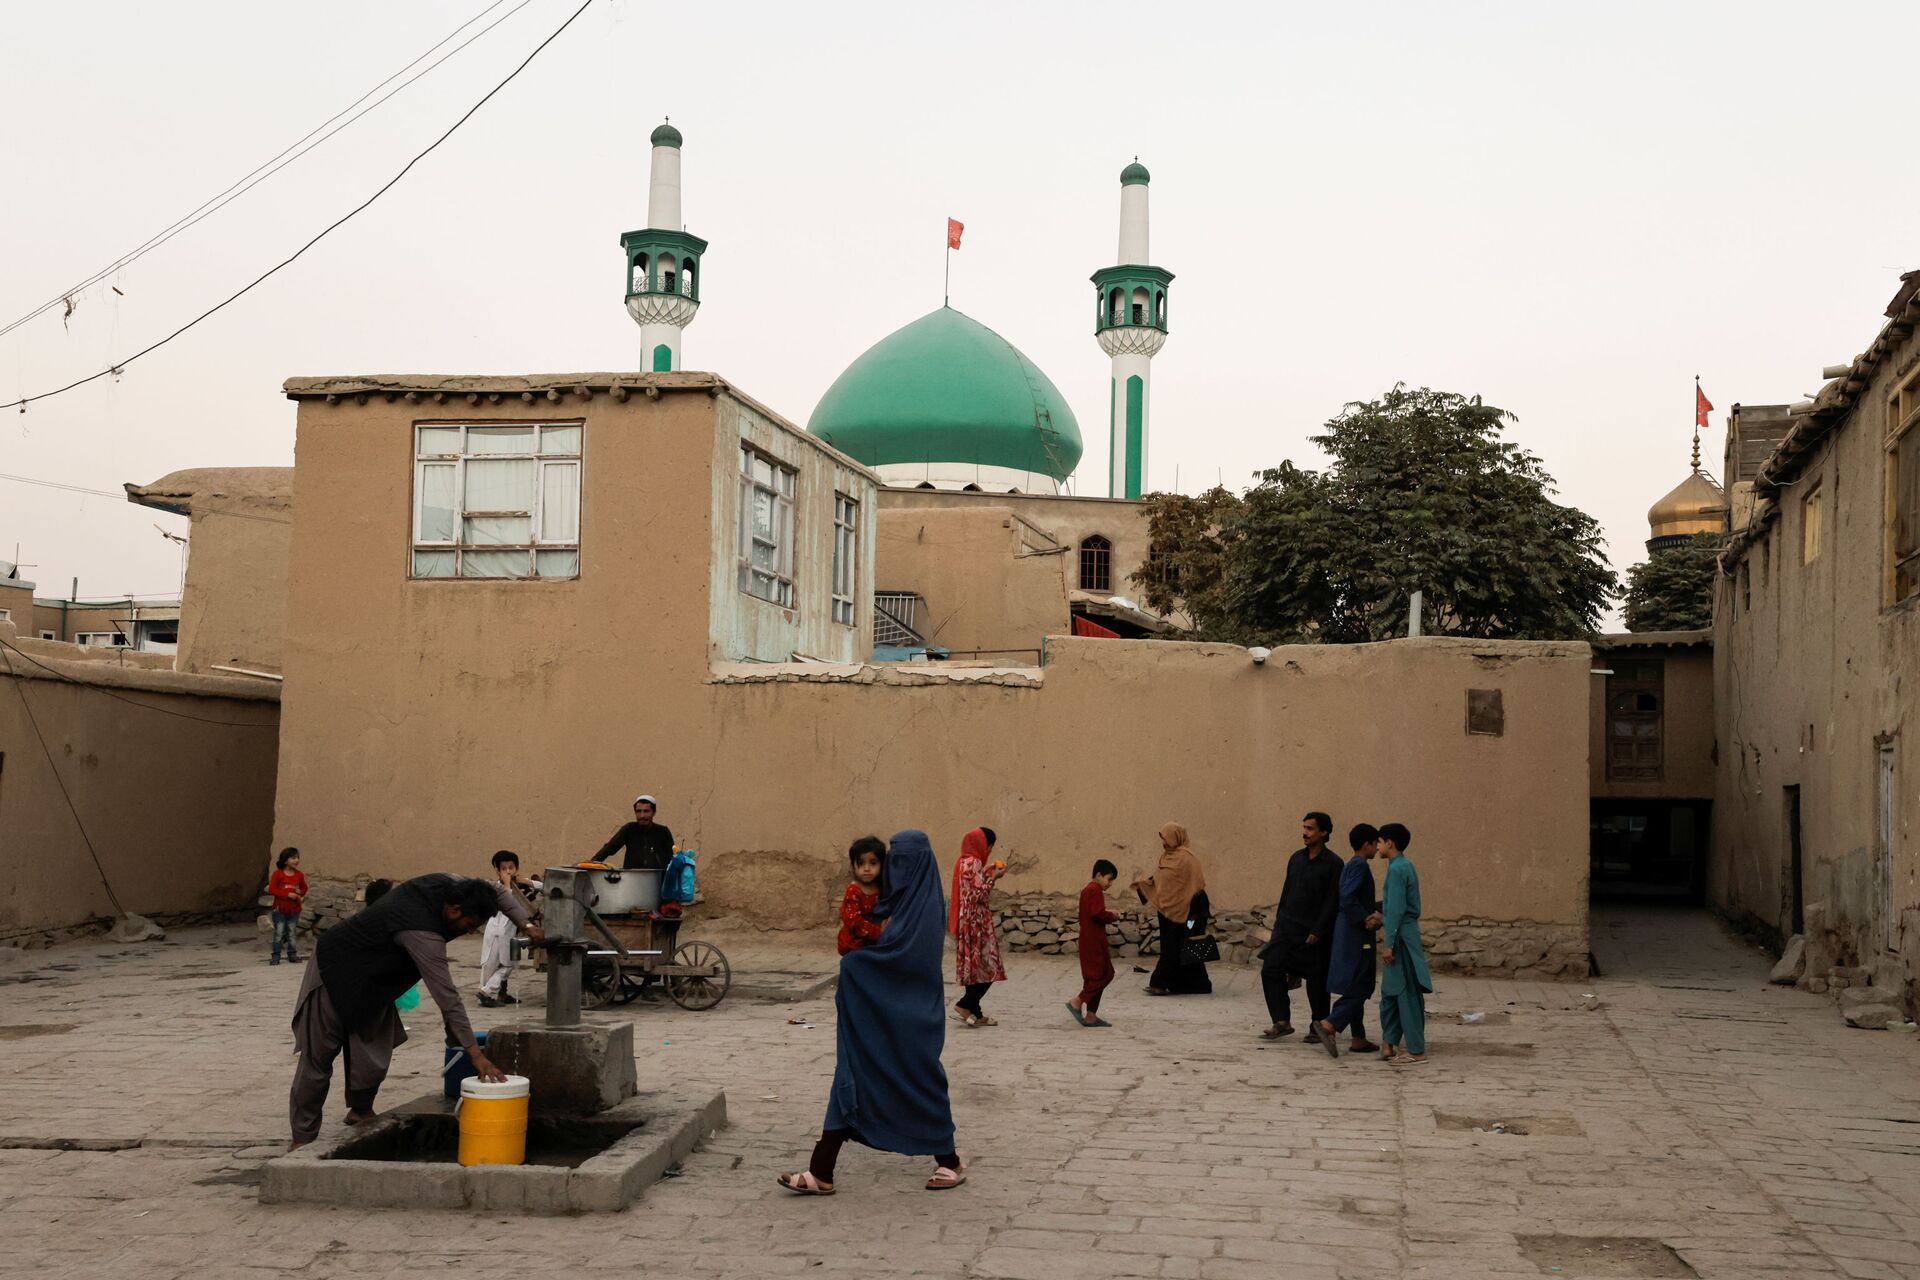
x: 1049, y: 924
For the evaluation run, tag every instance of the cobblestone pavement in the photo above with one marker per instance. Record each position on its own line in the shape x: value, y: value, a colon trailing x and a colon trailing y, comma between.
x: 1692, y: 1121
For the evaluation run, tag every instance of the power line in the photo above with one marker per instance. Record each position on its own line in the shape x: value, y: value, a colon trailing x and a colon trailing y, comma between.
x: 71, y: 488
x: 215, y: 203
x: 64, y: 678
x: 24, y: 401
x: 20, y: 687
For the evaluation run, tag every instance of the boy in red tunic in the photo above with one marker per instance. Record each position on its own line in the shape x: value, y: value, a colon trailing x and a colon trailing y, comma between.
x: 857, y: 925
x: 289, y: 890
x: 1096, y: 958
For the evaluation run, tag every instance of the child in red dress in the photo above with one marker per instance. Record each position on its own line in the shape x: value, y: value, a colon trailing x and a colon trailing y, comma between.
x: 1096, y: 958
x: 857, y: 925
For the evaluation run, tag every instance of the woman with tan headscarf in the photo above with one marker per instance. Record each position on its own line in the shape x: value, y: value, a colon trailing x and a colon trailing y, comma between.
x: 1178, y: 891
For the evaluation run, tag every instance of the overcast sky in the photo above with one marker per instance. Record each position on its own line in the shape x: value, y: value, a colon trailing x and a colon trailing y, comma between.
x: 1568, y: 209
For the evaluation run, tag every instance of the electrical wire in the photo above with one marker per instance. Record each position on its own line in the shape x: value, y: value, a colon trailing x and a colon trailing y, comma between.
x: 20, y: 687
x: 70, y: 488
x: 64, y: 678
x: 249, y: 181
x: 24, y: 401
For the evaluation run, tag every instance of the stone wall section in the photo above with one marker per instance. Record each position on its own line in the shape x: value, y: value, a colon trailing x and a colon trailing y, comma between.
x: 1049, y: 924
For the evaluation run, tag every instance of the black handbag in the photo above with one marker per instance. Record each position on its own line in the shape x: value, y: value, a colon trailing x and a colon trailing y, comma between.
x: 1200, y: 950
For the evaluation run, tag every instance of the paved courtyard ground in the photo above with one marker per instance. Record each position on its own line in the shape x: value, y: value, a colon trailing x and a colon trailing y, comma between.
x: 1687, y: 1119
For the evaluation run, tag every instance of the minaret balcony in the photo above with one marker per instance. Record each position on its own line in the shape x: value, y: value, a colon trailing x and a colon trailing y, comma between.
x: 658, y: 307
x: 1131, y: 340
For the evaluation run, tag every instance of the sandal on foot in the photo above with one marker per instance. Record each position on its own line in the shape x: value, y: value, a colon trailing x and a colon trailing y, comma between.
x: 1077, y: 1014
x: 1363, y: 1046
x: 1329, y: 1039
x: 1098, y: 1021
x: 1411, y: 1060
x: 982, y: 1020
x: 1278, y: 1031
x: 946, y: 1179
x: 805, y: 1184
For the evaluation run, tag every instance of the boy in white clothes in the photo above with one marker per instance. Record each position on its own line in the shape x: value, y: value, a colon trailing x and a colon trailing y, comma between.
x: 496, y: 944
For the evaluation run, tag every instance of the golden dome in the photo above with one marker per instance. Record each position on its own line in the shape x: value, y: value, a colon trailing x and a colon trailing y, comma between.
x: 1696, y: 505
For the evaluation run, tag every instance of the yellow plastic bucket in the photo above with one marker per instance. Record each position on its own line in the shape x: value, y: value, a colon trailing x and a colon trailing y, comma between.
x: 493, y: 1121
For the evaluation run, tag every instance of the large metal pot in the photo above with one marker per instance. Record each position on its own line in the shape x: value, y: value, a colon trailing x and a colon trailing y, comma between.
x: 618, y: 892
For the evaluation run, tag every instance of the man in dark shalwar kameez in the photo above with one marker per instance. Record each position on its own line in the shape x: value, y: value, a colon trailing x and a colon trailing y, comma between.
x: 1302, y: 942
x: 1351, y: 974
x: 362, y: 965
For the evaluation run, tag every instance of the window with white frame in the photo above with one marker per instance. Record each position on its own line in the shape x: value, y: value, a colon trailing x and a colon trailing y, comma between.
x: 496, y: 500
x: 846, y: 556
x: 766, y: 527
x: 6, y: 615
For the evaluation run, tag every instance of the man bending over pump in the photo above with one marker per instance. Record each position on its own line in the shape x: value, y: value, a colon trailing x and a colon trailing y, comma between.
x: 362, y: 965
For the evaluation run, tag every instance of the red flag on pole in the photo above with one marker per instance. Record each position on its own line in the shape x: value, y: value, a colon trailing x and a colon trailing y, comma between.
x: 953, y: 233
x: 1701, y: 406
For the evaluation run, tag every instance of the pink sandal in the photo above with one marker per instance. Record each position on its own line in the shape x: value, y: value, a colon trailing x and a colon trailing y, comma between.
x: 805, y: 1184
x: 945, y: 1179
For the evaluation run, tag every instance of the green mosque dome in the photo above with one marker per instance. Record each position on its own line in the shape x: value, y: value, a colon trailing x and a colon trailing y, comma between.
x: 947, y: 389
x: 668, y: 136
x: 1135, y: 174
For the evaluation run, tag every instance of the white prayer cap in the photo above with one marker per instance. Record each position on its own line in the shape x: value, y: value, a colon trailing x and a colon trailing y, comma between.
x: 646, y: 800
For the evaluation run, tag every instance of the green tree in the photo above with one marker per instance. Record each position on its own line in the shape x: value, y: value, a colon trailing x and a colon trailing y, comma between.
x: 1672, y: 589
x: 1420, y: 493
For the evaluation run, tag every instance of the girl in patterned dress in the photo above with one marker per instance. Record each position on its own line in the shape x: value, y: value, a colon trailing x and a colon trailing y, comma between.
x: 976, y: 939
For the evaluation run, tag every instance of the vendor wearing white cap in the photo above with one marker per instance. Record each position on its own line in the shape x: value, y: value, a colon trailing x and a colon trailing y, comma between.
x: 648, y: 844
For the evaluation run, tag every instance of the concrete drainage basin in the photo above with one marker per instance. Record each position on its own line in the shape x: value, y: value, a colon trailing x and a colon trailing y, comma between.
x: 598, y: 1163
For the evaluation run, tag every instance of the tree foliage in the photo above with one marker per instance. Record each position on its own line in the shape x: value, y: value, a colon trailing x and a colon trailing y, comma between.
x: 1672, y: 589
x: 1420, y: 493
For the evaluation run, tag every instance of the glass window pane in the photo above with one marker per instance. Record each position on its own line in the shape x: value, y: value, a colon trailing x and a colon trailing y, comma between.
x: 560, y: 440
x: 763, y: 471
x: 436, y: 500
x: 763, y: 515
x: 433, y: 564
x: 439, y: 440
x: 500, y: 439
x: 494, y: 485
x: 557, y: 564
x: 560, y: 502
x: 496, y: 564
x: 763, y: 556
x: 498, y: 531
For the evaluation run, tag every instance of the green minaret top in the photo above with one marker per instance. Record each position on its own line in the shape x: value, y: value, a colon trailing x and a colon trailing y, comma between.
x: 1135, y: 175
x: 668, y: 136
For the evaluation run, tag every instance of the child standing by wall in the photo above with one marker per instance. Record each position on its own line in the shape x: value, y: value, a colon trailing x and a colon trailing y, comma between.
x: 496, y: 944
x: 289, y: 889
x: 1096, y: 957
x: 857, y: 925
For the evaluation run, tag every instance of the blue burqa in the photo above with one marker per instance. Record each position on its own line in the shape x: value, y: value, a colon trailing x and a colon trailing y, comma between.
x: 889, y: 1088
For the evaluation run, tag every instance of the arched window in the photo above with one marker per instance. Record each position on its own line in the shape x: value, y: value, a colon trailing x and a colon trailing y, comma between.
x: 1139, y: 306
x: 669, y: 274
x: 1096, y: 564
x: 639, y: 274
x: 1160, y: 307
x: 1113, y: 307
x: 688, y: 286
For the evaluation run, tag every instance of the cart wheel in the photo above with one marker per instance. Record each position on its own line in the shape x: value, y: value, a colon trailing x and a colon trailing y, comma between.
x: 600, y: 984
x: 700, y: 993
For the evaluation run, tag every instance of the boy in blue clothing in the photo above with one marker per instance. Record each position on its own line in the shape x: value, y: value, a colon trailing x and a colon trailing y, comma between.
x: 1351, y: 972
x: 1406, y: 981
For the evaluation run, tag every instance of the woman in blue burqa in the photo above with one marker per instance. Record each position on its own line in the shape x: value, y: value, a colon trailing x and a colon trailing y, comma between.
x: 889, y: 1089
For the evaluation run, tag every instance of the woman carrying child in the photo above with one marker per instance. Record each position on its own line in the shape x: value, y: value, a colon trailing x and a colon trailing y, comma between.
x: 976, y: 942
x: 889, y: 1089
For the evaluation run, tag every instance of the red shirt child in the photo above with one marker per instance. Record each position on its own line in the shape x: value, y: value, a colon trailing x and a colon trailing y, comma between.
x: 857, y: 925
x: 1096, y: 957
x: 288, y: 886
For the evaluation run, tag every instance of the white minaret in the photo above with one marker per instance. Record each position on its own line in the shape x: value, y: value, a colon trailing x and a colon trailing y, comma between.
x: 1131, y: 326
x: 664, y: 263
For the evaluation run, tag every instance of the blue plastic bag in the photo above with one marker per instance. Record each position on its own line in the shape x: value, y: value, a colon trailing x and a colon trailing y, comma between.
x: 676, y: 882
x: 409, y: 999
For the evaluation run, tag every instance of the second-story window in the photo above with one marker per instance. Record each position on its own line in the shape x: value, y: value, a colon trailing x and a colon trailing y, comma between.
x: 846, y: 556
x: 496, y: 500
x: 766, y: 527
x: 1096, y: 564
